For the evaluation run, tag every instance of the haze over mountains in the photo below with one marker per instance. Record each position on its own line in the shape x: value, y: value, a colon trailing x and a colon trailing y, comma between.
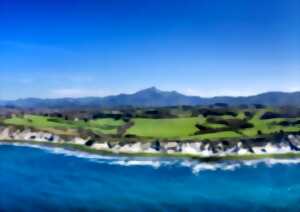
x: 156, y: 98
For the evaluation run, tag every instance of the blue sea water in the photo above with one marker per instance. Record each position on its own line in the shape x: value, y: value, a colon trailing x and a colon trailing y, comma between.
x: 36, y: 179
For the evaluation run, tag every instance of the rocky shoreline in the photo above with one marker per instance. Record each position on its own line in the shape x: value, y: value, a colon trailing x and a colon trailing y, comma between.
x: 277, y: 144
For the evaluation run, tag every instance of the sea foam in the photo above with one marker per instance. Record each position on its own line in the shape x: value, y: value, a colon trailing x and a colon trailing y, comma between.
x: 195, y: 165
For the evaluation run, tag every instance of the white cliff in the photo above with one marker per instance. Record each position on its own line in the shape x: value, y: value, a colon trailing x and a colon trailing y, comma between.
x: 286, y: 144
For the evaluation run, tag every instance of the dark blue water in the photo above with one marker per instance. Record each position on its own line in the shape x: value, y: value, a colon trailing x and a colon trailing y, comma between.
x: 34, y: 179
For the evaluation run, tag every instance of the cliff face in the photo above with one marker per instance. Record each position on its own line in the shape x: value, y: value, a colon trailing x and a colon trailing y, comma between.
x: 12, y: 133
x: 271, y: 145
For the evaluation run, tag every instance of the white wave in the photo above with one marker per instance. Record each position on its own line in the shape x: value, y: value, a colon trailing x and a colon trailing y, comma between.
x: 204, y: 167
x: 194, y: 165
x: 231, y: 167
x: 197, y: 166
x: 62, y: 151
x: 271, y: 161
x: 112, y: 160
x: 155, y: 164
x: 79, y: 154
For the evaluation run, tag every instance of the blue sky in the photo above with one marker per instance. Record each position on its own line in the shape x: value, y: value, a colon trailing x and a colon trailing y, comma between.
x: 77, y: 48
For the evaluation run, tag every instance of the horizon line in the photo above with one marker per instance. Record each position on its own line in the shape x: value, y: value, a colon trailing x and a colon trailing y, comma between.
x: 152, y: 87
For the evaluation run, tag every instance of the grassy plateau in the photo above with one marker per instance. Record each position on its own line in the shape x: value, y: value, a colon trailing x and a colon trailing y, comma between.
x: 207, y: 124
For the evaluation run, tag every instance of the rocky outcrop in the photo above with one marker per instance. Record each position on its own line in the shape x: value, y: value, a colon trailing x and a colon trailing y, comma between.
x: 12, y: 133
x: 266, y: 145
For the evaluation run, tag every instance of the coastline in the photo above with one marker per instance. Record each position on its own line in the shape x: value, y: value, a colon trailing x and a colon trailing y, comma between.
x: 278, y: 146
x: 84, y: 149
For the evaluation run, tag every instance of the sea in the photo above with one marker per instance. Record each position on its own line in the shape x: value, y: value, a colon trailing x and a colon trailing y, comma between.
x: 34, y: 178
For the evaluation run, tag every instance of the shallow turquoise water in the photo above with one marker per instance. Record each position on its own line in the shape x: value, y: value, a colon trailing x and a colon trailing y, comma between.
x: 33, y: 179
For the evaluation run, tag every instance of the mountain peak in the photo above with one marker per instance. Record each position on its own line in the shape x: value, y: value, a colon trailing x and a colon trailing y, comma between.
x: 152, y: 96
x: 152, y: 89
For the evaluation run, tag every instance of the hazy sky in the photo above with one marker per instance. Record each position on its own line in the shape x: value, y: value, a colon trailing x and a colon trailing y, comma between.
x: 61, y: 48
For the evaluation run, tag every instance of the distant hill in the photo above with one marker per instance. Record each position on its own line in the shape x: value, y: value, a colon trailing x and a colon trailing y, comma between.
x: 155, y: 97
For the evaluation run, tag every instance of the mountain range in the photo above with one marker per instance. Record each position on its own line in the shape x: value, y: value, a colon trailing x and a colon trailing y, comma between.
x: 153, y: 97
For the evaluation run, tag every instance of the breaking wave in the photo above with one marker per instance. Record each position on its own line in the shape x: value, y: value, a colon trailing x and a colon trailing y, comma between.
x: 156, y: 162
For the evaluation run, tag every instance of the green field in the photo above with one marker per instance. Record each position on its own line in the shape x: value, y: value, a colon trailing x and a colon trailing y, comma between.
x: 268, y: 126
x: 164, y: 128
x: 182, y: 127
x: 61, y: 126
x: 216, y: 135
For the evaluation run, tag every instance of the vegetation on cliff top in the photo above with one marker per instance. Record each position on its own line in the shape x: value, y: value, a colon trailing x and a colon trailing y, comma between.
x: 181, y: 123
